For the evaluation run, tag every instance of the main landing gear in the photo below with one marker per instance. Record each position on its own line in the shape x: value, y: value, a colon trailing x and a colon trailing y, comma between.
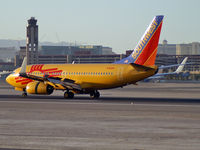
x: 95, y: 94
x: 68, y: 95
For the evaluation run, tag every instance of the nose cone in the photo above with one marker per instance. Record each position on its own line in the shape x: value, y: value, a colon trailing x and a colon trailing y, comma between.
x: 8, y: 79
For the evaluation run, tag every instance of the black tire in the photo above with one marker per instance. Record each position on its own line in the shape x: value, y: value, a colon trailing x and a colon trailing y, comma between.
x: 94, y: 95
x: 24, y: 94
x: 71, y: 95
x: 97, y: 95
x: 66, y: 95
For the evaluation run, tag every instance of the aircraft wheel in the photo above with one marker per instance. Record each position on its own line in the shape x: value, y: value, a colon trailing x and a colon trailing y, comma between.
x: 24, y: 94
x: 95, y: 95
x: 92, y: 95
x: 68, y: 95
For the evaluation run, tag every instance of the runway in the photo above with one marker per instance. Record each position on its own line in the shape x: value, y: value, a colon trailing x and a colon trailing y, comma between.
x: 129, y: 121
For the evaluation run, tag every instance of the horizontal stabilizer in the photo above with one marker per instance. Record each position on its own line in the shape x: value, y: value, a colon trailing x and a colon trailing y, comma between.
x: 142, y: 67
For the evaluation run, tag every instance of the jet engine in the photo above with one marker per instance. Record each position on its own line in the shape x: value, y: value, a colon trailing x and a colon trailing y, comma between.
x: 37, y: 87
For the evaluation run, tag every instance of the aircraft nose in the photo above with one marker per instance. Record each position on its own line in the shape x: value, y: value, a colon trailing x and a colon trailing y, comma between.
x: 8, y: 79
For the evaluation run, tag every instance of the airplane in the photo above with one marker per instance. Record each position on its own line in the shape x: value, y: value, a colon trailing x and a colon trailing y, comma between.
x: 161, y: 75
x: 90, y: 78
x: 4, y: 73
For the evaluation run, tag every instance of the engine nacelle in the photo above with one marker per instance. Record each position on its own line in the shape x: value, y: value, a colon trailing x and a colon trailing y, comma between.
x: 37, y: 87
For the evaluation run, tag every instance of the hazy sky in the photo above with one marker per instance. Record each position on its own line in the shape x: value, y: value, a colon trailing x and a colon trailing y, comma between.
x: 115, y: 23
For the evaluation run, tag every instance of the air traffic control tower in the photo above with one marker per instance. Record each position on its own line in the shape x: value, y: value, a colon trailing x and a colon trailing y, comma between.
x: 32, y: 41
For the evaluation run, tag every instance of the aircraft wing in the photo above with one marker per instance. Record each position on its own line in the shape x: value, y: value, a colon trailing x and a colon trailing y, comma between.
x: 178, y: 70
x: 170, y: 66
x: 66, y: 83
x: 162, y: 74
x: 32, y: 77
x: 175, y: 65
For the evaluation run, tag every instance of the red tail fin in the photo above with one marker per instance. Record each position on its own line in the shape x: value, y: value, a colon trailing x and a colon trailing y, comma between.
x: 146, y: 50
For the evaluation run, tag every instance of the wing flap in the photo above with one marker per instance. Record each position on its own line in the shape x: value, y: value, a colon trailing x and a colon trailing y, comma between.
x: 33, y: 77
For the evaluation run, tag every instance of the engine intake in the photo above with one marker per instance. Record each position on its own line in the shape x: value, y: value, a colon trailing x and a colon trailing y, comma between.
x: 37, y: 87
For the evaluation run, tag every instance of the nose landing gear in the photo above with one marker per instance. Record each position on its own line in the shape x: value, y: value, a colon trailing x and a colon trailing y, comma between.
x: 24, y: 94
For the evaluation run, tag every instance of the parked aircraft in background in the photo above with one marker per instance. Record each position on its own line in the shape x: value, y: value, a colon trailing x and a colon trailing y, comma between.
x: 89, y: 78
x: 5, y: 73
x: 162, y: 75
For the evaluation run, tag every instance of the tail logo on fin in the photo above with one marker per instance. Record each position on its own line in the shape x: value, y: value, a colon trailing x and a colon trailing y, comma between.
x: 146, y: 49
x: 145, y: 40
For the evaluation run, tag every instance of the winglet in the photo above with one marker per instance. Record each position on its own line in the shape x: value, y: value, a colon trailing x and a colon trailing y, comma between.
x: 180, y: 68
x: 23, y: 67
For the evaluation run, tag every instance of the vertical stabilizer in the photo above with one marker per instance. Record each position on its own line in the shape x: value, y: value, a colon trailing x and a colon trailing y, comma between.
x: 180, y: 68
x: 146, y: 50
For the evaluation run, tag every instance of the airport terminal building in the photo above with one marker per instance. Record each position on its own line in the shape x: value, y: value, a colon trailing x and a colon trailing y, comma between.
x: 97, y: 54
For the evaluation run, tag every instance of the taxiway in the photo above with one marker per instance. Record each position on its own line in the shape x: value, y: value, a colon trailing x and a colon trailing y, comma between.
x: 148, y: 116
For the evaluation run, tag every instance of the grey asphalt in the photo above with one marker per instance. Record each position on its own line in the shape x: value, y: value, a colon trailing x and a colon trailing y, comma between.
x: 149, y: 116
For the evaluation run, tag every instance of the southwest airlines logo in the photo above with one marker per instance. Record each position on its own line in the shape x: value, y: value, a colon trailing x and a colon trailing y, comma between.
x: 53, y: 72
x: 145, y: 40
